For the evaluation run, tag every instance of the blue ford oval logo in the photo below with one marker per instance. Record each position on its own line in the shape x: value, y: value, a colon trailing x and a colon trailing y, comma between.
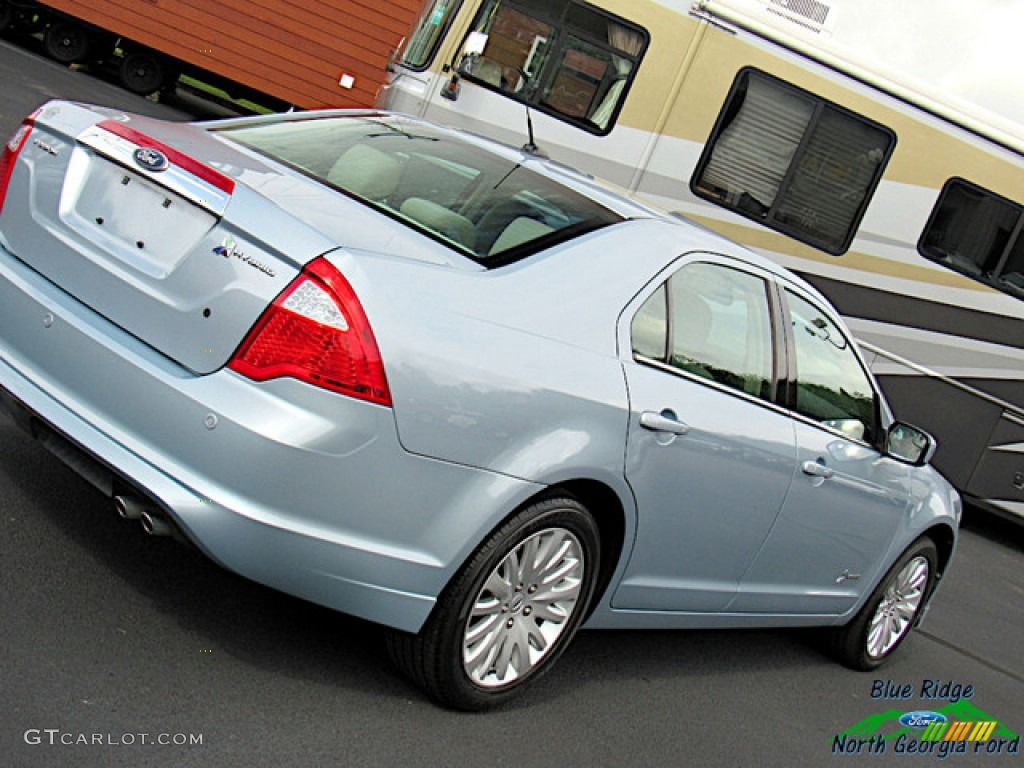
x: 150, y: 159
x: 922, y: 719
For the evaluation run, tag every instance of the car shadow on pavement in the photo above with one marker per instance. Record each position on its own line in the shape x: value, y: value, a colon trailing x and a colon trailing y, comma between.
x: 214, y: 607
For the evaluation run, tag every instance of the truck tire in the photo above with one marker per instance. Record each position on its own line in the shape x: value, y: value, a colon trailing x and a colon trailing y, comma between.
x: 67, y: 42
x: 142, y: 72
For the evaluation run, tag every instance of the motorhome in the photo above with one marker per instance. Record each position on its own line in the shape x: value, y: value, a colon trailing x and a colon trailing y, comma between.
x: 751, y: 117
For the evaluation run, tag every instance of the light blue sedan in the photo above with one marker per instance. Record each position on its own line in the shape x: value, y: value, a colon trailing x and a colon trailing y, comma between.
x: 453, y: 388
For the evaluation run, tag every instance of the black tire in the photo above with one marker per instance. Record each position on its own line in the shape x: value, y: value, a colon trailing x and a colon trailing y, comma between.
x: 893, y: 609
x: 142, y: 72
x: 566, y: 533
x: 67, y: 42
x: 6, y: 15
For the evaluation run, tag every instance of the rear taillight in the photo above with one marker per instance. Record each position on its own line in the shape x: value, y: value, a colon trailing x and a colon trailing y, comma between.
x: 316, y: 331
x: 10, y: 154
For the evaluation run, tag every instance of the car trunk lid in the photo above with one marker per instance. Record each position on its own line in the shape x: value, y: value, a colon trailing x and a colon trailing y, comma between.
x: 170, y: 248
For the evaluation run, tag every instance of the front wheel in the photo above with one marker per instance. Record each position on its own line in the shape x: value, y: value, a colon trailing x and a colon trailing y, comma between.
x: 892, y: 610
x: 510, y: 611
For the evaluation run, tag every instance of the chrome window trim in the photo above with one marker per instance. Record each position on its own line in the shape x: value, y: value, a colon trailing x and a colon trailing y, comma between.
x: 723, y: 388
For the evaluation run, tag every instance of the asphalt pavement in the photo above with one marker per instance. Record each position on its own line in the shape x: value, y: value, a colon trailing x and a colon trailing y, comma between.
x: 117, y: 649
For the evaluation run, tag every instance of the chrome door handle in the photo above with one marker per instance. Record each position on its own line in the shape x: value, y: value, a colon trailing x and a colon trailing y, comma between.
x: 817, y: 469
x: 665, y: 421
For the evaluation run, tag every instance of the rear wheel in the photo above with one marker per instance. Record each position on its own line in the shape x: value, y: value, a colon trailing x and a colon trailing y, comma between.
x: 510, y: 612
x: 142, y: 72
x: 67, y: 42
x: 890, y: 613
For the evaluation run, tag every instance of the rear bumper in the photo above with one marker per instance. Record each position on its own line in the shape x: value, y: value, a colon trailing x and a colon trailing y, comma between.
x: 303, y: 490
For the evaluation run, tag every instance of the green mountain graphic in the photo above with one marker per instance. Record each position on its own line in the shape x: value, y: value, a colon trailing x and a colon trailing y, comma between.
x: 873, y: 724
x: 887, y: 724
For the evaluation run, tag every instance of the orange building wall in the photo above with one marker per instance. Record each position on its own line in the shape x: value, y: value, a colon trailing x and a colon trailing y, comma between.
x: 294, y: 50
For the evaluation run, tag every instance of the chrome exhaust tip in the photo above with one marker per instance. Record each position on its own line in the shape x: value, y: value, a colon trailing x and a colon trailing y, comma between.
x: 128, y: 507
x: 155, y: 525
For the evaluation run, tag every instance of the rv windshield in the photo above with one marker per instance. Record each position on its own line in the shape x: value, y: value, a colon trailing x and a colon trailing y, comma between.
x: 485, y: 205
x: 560, y: 56
x: 430, y: 29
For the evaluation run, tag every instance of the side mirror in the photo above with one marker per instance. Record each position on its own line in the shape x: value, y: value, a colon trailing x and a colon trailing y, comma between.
x: 909, y: 444
x: 465, y: 65
x: 450, y: 90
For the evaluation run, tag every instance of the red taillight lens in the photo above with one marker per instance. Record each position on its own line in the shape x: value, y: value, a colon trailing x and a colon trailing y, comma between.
x: 316, y: 331
x: 10, y: 155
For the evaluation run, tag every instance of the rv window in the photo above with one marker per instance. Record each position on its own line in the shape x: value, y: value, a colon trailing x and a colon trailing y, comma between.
x: 792, y: 161
x: 562, y: 57
x: 426, y: 37
x: 979, y: 234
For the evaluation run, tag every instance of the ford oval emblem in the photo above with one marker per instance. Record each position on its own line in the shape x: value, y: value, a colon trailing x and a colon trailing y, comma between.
x: 150, y: 159
x: 922, y: 719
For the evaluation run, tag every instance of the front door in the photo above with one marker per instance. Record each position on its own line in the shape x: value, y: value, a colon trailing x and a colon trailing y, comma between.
x: 847, y: 498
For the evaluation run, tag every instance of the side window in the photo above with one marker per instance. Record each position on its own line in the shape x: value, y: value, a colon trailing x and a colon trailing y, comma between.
x: 426, y: 37
x: 564, y: 57
x: 831, y: 386
x: 713, y: 322
x: 793, y: 161
x: 979, y: 234
x: 650, y: 327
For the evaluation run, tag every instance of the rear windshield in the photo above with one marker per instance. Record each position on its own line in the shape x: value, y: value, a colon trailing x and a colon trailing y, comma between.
x: 491, y: 208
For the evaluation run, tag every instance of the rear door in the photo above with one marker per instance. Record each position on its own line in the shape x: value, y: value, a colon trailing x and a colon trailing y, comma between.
x: 710, y: 457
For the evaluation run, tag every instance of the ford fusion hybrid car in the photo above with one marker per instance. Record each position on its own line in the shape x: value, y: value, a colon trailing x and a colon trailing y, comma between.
x: 452, y: 388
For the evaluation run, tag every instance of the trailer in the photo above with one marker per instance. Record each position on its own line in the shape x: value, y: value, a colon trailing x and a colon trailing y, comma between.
x: 305, y: 53
x: 905, y: 208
